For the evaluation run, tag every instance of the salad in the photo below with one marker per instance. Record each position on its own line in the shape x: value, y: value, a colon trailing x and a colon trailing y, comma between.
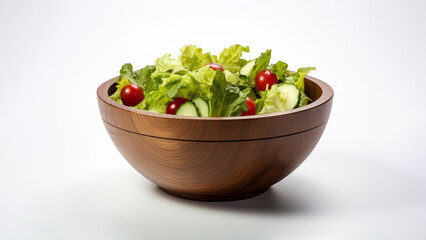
x: 206, y: 85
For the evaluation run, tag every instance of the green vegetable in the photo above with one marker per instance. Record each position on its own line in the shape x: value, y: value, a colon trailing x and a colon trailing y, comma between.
x: 230, y: 58
x: 166, y: 63
x: 121, y: 84
x: 155, y: 101
x: 192, y: 57
x: 279, y: 69
x: 126, y: 71
x: 231, y: 77
x: 246, y: 69
x: 144, y: 80
x: 187, y: 109
x: 204, y: 77
x: 214, y: 93
x: 260, y: 102
x: 281, y: 97
x: 298, y: 78
x: 260, y: 64
x: 227, y: 99
x: 303, y: 100
x: 202, y: 107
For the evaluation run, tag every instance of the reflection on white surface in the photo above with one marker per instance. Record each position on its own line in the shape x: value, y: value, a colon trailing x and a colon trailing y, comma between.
x: 347, y: 199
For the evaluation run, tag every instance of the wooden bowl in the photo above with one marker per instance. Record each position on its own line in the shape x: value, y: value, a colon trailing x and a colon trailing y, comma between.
x: 216, y: 158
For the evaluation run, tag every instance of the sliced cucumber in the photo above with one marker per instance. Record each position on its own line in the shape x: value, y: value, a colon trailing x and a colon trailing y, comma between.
x: 245, y: 70
x: 187, y: 109
x: 291, y: 93
x: 202, y: 107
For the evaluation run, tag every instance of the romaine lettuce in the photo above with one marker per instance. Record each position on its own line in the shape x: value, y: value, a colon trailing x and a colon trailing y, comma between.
x: 227, y: 99
x: 260, y: 64
x: 192, y: 57
x: 204, y: 77
x: 166, y: 63
x: 230, y: 58
x: 190, y: 77
x: 298, y: 78
x: 279, y: 69
x: 116, y: 96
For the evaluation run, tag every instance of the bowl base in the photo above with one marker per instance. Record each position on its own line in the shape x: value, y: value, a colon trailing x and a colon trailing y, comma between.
x: 214, y: 198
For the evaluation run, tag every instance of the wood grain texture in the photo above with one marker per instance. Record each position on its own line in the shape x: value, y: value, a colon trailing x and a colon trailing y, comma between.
x: 216, y: 159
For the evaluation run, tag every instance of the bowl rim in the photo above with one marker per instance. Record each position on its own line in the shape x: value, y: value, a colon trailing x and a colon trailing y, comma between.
x: 326, y: 95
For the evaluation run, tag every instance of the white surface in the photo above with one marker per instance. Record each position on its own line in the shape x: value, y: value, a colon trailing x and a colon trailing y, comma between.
x: 62, y: 178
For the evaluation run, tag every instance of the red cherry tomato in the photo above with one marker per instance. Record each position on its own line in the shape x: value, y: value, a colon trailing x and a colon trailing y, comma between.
x: 215, y: 66
x: 251, y: 108
x: 265, y: 77
x: 132, y: 95
x: 174, y: 105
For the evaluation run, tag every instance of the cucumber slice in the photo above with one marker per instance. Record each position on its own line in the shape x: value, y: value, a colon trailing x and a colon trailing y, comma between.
x: 187, y: 109
x: 202, y: 106
x: 245, y: 70
x: 292, y: 94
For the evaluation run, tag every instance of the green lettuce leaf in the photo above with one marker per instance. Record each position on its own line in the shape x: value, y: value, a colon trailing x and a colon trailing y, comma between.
x: 279, y: 69
x: 275, y: 101
x: 116, y: 96
x: 211, y: 58
x: 172, y: 85
x: 166, y: 63
x: 231, y: 77
x: 298, y: 78
x: 260, y: 102
x: 155, y: 101
x: 227, y: 99
x: 126, y: 71
x: 260, y: 64
x: 192, y: 57
x: 230, y: 58
x: 204, y: 77
x: 143, y: 78
x: 190, y: 89
x: 182, y: 86
x: 303, y: 100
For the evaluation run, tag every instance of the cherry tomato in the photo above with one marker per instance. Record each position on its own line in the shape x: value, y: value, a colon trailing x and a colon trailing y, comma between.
x: 132, y: 95
x: 215, y: 66
x: 265, y: 77
x: 174, y: 105
x: 251, y: 108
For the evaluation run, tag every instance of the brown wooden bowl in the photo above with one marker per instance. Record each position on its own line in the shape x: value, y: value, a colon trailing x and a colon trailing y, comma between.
x: 216, y: 158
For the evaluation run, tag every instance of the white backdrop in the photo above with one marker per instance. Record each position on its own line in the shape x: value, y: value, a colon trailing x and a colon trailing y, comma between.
x: 62, y: 178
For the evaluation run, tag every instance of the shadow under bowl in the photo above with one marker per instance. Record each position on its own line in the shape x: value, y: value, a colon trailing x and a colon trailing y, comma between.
x: 216, y: 158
